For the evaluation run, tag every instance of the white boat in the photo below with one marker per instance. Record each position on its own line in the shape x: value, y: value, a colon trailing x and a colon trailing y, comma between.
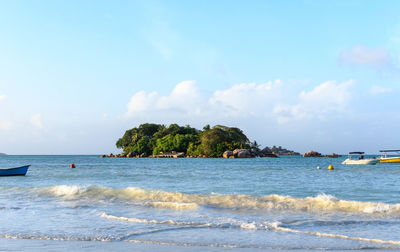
x: 357, y: 158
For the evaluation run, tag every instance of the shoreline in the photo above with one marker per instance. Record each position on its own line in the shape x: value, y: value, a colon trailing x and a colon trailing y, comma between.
x: 12, y: 244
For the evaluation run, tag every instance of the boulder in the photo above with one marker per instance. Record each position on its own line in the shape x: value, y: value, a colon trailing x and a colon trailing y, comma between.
x: 103, y: 156
x: 334, y: 155
x: 110, y: 155
x: 266, y: 150
x: 268, y: 155
x: 312, y: 153
x: 178, y: 155
x: 131, y: 154
x: 255, y: 152
x: 242, y: 153
x: 228, y: 154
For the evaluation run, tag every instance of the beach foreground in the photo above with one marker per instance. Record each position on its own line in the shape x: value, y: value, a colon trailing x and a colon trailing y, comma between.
x: 198, y: 204
x: 45, y: 245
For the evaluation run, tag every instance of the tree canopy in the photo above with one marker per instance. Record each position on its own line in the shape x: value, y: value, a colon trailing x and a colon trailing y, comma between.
x: 151, y: 139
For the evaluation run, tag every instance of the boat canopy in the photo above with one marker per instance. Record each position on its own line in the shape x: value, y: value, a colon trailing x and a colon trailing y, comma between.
x: 357, y: 152
x: 389, y: 150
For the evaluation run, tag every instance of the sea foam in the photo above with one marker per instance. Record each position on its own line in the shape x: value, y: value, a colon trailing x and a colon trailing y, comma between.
x: 232, y: 223
x: 184, y: 201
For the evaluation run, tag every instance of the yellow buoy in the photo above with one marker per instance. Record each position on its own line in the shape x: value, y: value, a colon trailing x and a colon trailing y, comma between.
x: 330, y: 167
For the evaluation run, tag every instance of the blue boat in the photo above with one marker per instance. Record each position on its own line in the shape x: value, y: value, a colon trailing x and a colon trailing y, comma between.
x: 17, y: 171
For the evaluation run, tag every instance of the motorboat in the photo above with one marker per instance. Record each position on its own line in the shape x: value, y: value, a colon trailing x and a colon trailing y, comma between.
x: 16, y: 171
x: 357, y: 158
x: 389, y: 159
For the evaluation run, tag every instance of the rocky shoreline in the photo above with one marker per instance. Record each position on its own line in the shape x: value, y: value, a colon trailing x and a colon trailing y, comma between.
x: 237, y: 153
x: 249, y: 153
x: 312, y: 153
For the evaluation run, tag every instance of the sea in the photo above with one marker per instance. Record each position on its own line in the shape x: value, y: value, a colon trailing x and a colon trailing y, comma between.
x: 194, y: 204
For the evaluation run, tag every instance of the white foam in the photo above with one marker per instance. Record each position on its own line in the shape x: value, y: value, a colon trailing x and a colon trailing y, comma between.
x: 219, y: 223
x: 182, y: 201
x: 338, y: 236
x: 136, y: 220
x: 232, y: 223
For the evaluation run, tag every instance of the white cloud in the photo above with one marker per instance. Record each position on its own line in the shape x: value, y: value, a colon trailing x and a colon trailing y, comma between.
x: 373, y: 57
x: 184, y: 95
x: 247, y: 98
x: 329, y: 95
x: 185, y: 99
x: 141, y: 102
x: 270, y: 100
x: 326, y: 98
x: 2, y: 97
x: 377, y: 90
x: 36, y: 121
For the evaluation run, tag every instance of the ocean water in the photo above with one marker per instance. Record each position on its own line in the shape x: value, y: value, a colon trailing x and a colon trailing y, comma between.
x: 199, y: 204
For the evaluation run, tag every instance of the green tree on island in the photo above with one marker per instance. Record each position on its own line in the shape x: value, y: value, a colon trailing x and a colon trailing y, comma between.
x: 151, y: 139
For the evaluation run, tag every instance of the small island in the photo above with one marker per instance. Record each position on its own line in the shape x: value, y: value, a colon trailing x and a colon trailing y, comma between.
x: 157, y: 140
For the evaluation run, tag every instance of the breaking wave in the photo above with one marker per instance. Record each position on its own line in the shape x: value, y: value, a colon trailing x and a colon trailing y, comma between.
x: 224, y: 223
x: 184, y: 201
x: 231, y: 223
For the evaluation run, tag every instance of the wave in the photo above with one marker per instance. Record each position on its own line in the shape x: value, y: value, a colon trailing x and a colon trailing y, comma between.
x: 224, y: 223
x: 231, y: 223
x: 338, y: 236
x: 190, y: 244
x: 234, y: 246
x: 218, y: 223
x: 184, y: 201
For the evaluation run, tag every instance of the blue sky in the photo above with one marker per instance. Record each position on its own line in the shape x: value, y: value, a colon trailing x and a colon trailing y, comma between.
x: 322, y: 75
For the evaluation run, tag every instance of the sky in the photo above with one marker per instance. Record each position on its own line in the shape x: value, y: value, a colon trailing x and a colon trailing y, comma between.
x: 304, y: 75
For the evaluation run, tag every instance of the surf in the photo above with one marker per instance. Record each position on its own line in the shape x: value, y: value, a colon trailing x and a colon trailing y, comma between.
x: 185, y: 201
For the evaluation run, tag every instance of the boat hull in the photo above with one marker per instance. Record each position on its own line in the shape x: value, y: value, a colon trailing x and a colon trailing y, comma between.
x: 390, y: 160
x: 360, y: 161
x: 17, y: 171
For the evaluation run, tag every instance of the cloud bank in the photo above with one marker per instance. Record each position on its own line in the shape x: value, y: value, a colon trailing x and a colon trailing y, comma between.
x: 325, y: 99
x: 270, y: 100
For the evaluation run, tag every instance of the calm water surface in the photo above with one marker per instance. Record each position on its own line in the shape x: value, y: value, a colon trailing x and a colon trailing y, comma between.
x: 267, y: 203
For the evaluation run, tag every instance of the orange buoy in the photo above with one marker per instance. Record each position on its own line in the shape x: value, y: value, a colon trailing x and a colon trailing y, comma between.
x: 72, y: 165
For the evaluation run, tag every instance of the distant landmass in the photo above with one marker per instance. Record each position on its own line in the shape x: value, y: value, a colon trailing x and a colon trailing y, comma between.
x: 156, y: 140
x: 3, y: 154
x: 151, y: 139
